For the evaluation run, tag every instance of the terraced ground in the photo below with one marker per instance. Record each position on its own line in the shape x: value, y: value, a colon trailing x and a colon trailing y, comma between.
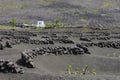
x: 103, y: 62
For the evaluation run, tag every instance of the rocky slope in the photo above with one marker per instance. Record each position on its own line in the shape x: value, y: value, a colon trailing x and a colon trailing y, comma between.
x: 69, y: 12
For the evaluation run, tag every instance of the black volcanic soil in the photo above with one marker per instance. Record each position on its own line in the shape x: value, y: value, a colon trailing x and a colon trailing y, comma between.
x: 103, y: 61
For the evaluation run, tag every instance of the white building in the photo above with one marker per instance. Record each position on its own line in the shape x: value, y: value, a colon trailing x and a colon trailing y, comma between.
x: 40, y: 24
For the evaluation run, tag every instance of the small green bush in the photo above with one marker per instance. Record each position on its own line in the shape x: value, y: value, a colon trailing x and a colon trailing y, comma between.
x: 13, y: 23
x: 50, y: 25
x: 54, y: 25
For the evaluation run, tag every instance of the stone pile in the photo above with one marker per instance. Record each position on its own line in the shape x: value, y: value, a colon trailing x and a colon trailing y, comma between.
x: 84, y: 48
x: 102, y: 44
x: 62, y: 40
x: 7, y: 44
x: 38, y: 42
x: 1, y: 46
x: 28, y: 55
x: 8, y: 66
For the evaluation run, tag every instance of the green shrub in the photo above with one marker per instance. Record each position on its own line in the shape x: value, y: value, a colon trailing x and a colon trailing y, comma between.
x: 95, y: 12
x: 53, y: 25
x: 69, y: 69
x: 38, y: 28
x: 13, y: 23
x: 105, y: 4
x: 50, y: 25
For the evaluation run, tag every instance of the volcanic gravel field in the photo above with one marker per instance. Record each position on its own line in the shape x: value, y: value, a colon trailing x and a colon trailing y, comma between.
x: 103, y: 62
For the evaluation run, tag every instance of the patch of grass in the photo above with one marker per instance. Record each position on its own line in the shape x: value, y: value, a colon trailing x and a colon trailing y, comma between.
x: 105, y: 4
x: 50, y: 25
x: 80, y: 1
x: 56, y: 24
x: 24, y: 6
x: 82, y: 20
x: 50, y: 1
x: 85, y: 12
x: 89, y: 0
x: 35, y: 28
x: 95, y: 12
x: 83, y: 71
x: 10, y: 5
x: 28, y: 29
x: 85, y: 29
x: 38, y: 28
x: 73, y: 13
x: 45, y: 2
x: 6, y: 27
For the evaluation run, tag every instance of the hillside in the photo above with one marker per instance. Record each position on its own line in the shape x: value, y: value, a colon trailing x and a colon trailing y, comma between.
x: 69, y: 12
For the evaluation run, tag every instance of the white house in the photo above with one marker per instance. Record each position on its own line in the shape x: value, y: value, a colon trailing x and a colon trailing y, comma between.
x: 40, y: 24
